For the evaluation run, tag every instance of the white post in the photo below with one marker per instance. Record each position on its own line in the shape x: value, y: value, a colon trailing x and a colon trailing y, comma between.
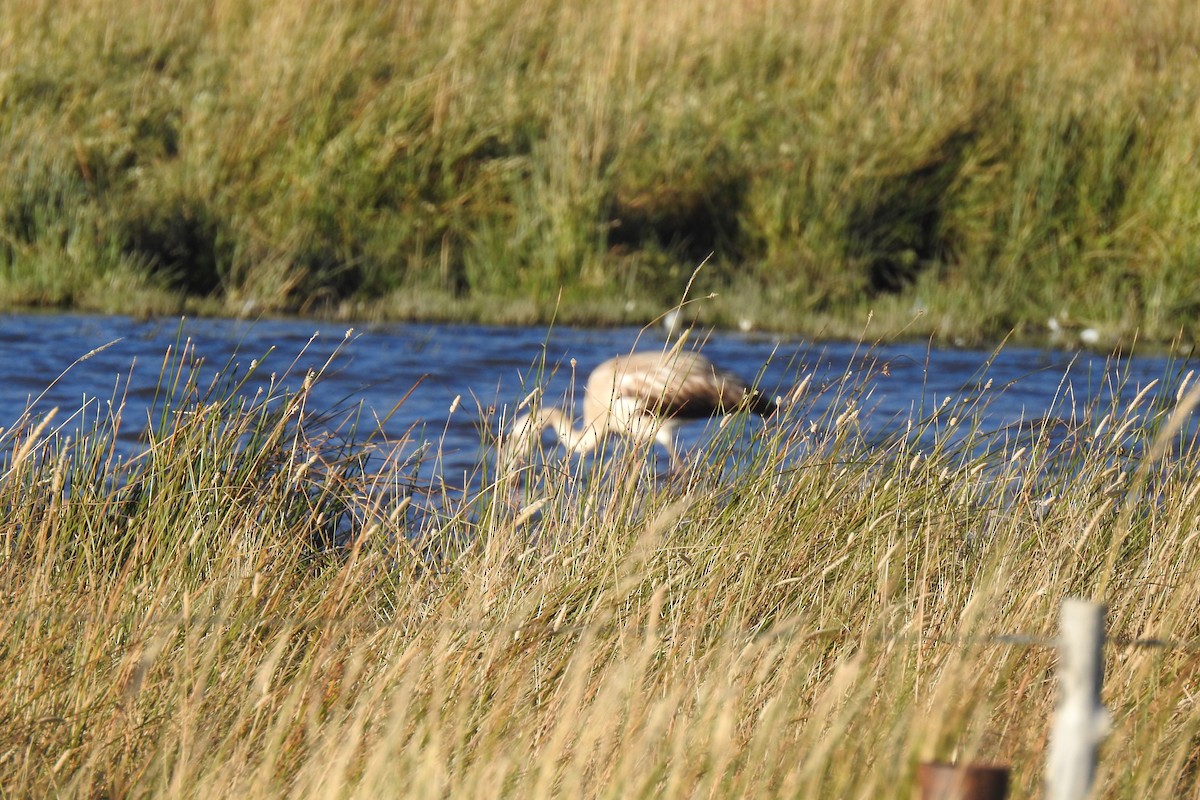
x: 1081, y: 721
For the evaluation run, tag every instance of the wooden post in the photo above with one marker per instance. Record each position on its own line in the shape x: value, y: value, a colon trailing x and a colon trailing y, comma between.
x: 1081, y: 721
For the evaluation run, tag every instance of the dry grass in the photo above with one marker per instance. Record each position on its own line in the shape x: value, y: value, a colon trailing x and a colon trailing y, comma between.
x: 241, y: 608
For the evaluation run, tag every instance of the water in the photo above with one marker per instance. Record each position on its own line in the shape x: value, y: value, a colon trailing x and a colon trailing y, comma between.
x: 472, y: 367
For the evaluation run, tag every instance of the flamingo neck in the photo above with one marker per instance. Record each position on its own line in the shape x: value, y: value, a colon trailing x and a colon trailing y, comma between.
x: 577, y: 440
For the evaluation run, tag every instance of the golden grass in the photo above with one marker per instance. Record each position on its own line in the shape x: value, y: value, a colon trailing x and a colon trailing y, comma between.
x: 239, y: 608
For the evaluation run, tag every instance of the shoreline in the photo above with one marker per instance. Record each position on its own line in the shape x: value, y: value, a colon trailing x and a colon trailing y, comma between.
x: 1053, y: 334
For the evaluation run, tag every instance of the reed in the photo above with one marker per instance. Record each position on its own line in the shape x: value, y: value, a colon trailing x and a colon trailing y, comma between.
x: 259, y: 598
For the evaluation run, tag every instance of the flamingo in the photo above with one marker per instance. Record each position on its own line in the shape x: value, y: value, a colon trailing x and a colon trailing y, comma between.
x: 644, y: 396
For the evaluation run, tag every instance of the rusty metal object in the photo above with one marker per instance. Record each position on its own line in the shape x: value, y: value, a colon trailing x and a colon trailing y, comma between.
x: 941, y: 781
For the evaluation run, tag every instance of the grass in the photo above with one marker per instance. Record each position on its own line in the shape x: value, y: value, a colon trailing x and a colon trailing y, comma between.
x: 259, y: 598
x: 992, y: 164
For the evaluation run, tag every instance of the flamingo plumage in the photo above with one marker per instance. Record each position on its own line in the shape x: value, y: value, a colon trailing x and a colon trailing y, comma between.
x: 644, y: 396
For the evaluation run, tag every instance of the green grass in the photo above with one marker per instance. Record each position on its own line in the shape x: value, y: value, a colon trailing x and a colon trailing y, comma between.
x: 238, y: 608
x: 992, y: 163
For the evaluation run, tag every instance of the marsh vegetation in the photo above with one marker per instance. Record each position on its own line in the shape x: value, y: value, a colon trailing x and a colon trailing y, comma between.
x: 259, y: 600
x: 981, y: 166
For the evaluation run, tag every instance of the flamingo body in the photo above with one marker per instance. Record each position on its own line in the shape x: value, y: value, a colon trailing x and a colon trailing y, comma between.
x: 645, y: 396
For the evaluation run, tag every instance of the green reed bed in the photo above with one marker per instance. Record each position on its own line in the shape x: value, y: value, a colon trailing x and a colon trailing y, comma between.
x: 239, y: 605
x: 983, y: 166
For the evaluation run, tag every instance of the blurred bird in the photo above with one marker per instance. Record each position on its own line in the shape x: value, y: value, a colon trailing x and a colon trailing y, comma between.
x: 645, y: 397
x: 672, y: 322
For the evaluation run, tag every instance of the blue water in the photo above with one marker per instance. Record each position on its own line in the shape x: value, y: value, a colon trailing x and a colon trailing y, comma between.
x: 473, y: 367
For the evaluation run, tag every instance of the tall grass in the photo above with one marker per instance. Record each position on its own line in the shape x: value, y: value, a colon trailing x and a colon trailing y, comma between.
x: 991, y: 164
x: 237, y: 605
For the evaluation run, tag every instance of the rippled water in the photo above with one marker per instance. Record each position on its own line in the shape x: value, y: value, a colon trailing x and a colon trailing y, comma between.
x: 437, y: 366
